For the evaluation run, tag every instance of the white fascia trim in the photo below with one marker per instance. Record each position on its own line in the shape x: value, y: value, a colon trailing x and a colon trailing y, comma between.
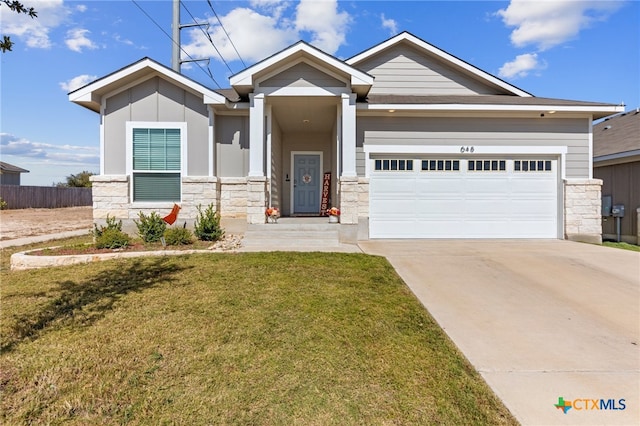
x: 455, y: 149
x: 86, y: 93
x: 560, y: 151
x: 245, y: 78
x: 442, y: 54
x: 489, y: 107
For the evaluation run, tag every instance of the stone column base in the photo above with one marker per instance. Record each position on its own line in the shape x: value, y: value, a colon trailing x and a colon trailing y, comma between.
x: 256, y: 199
x: 582, y: 213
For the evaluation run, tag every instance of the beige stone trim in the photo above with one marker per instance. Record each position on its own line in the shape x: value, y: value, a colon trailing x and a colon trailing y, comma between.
x: 582, y: 210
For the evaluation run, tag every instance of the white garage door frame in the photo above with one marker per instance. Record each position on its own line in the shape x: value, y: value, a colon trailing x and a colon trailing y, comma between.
x: 476, y: 152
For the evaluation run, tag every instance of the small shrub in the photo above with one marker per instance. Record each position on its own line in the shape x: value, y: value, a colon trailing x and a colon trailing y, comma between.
x: 112, y: 224
x: 112, y: 239
x: 3, y: 204
x: 178, y: 237
x: 150, y: 228
x: 207, y: 226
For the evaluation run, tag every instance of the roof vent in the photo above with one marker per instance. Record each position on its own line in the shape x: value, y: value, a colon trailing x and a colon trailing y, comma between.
x: 607, y: 127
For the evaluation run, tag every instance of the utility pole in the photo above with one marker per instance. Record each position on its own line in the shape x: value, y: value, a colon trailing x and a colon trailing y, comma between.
x: 175, y: 57
x: 176, y: 46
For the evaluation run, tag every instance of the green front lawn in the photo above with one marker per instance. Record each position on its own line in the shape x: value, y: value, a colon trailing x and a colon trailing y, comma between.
x: 260, y: 339
x: 621, y: 245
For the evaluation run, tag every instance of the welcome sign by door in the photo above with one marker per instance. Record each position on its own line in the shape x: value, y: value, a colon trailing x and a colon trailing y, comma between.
x: 326, y: 188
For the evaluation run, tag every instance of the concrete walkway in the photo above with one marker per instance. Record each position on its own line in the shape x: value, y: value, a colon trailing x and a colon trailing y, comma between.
x: 538, y: 319
x: 41, y: 238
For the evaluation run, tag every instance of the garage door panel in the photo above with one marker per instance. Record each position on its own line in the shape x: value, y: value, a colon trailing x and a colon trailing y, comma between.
x: 437, y: 185
x: 487, y: 206
x: 464, y: 204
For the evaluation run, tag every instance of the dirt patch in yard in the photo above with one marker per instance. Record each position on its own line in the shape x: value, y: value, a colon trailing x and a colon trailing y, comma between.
x: 32, y: 222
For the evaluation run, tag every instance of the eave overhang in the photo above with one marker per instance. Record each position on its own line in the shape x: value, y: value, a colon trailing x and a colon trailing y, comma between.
x: 91, y: 95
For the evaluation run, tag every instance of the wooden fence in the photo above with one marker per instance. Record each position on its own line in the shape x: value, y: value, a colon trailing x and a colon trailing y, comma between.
x: 49, y: 197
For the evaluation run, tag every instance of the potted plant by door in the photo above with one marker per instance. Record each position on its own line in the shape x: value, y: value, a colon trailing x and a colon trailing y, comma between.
x: 334, y: 215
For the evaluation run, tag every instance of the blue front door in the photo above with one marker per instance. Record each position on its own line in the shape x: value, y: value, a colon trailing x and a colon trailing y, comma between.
x: 306, y: 184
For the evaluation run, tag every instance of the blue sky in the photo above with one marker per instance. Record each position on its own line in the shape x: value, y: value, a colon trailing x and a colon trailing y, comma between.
x: 570, y: 49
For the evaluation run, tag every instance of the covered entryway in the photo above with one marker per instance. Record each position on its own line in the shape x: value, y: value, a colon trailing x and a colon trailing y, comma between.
x: 458, y: 197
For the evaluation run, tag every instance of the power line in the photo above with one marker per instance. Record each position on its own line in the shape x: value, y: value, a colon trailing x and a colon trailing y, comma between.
x: 207, y: 71
x: 207, y: 35
x: 227, y: 34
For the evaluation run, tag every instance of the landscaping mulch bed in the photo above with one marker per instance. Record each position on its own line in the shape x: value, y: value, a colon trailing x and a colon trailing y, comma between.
x: 228, y: 243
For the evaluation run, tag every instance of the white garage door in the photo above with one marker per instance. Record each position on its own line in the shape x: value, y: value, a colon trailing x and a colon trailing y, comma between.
x: 463, y: 198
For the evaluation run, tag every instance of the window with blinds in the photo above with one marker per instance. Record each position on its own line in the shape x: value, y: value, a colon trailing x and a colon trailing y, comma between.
x: 156, y: 164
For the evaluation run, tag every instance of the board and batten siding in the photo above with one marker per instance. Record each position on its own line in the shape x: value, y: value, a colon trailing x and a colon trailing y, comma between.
x: 403, y: 70
x: 572, y: 133
x: 155, y: 100
x: 302, y: 75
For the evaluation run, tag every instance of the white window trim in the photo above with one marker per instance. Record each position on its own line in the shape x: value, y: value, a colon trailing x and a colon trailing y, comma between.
x: 130, y: 125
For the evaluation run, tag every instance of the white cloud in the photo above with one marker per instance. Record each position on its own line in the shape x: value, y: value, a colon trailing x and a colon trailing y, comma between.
x: 53, y: 154
x: 327, y: 26
x: 81, y: 8
x: 274, y: 8
x: 77, y: 40
x: 254, y: 35
x: 521, y: 66
x: 546, y: 24
x: 34, y: 31
x: 77, y: 82
x: 389, y: 24
x: 262, y: 30
x: 119, y: 39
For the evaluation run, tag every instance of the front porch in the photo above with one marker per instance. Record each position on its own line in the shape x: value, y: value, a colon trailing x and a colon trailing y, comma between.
x: 297, y: 234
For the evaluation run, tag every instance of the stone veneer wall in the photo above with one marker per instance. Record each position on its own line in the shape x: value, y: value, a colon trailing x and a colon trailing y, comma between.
x: 110, y: 197
x: 256, y: 196
x: 349, y: 200
x: 582, y: 210
x: 233, y: 197
x: 363, y: 209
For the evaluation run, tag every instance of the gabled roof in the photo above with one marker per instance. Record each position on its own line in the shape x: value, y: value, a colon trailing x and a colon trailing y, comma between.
x: 244, y: 81
x: 617, y: 137
x: 6, y: 167
x: 90, y: 96
x: 406, y: 37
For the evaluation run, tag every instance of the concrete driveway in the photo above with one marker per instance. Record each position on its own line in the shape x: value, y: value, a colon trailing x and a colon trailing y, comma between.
x: 539, y: 320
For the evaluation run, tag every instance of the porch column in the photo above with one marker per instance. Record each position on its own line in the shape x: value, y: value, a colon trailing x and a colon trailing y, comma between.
x: 349, y: 135
x: 269, y: 153
x: 256, y: 135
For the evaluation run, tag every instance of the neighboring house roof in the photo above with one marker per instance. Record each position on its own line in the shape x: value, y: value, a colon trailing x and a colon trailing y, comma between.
x: 244, y: 81
x: 406, y: 37
x: 617, y: 137
x: 6, y: 167
x: 90, y: 96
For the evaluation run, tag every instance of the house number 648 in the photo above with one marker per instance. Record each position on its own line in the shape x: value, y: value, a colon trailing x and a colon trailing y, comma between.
x: 464, y: 149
